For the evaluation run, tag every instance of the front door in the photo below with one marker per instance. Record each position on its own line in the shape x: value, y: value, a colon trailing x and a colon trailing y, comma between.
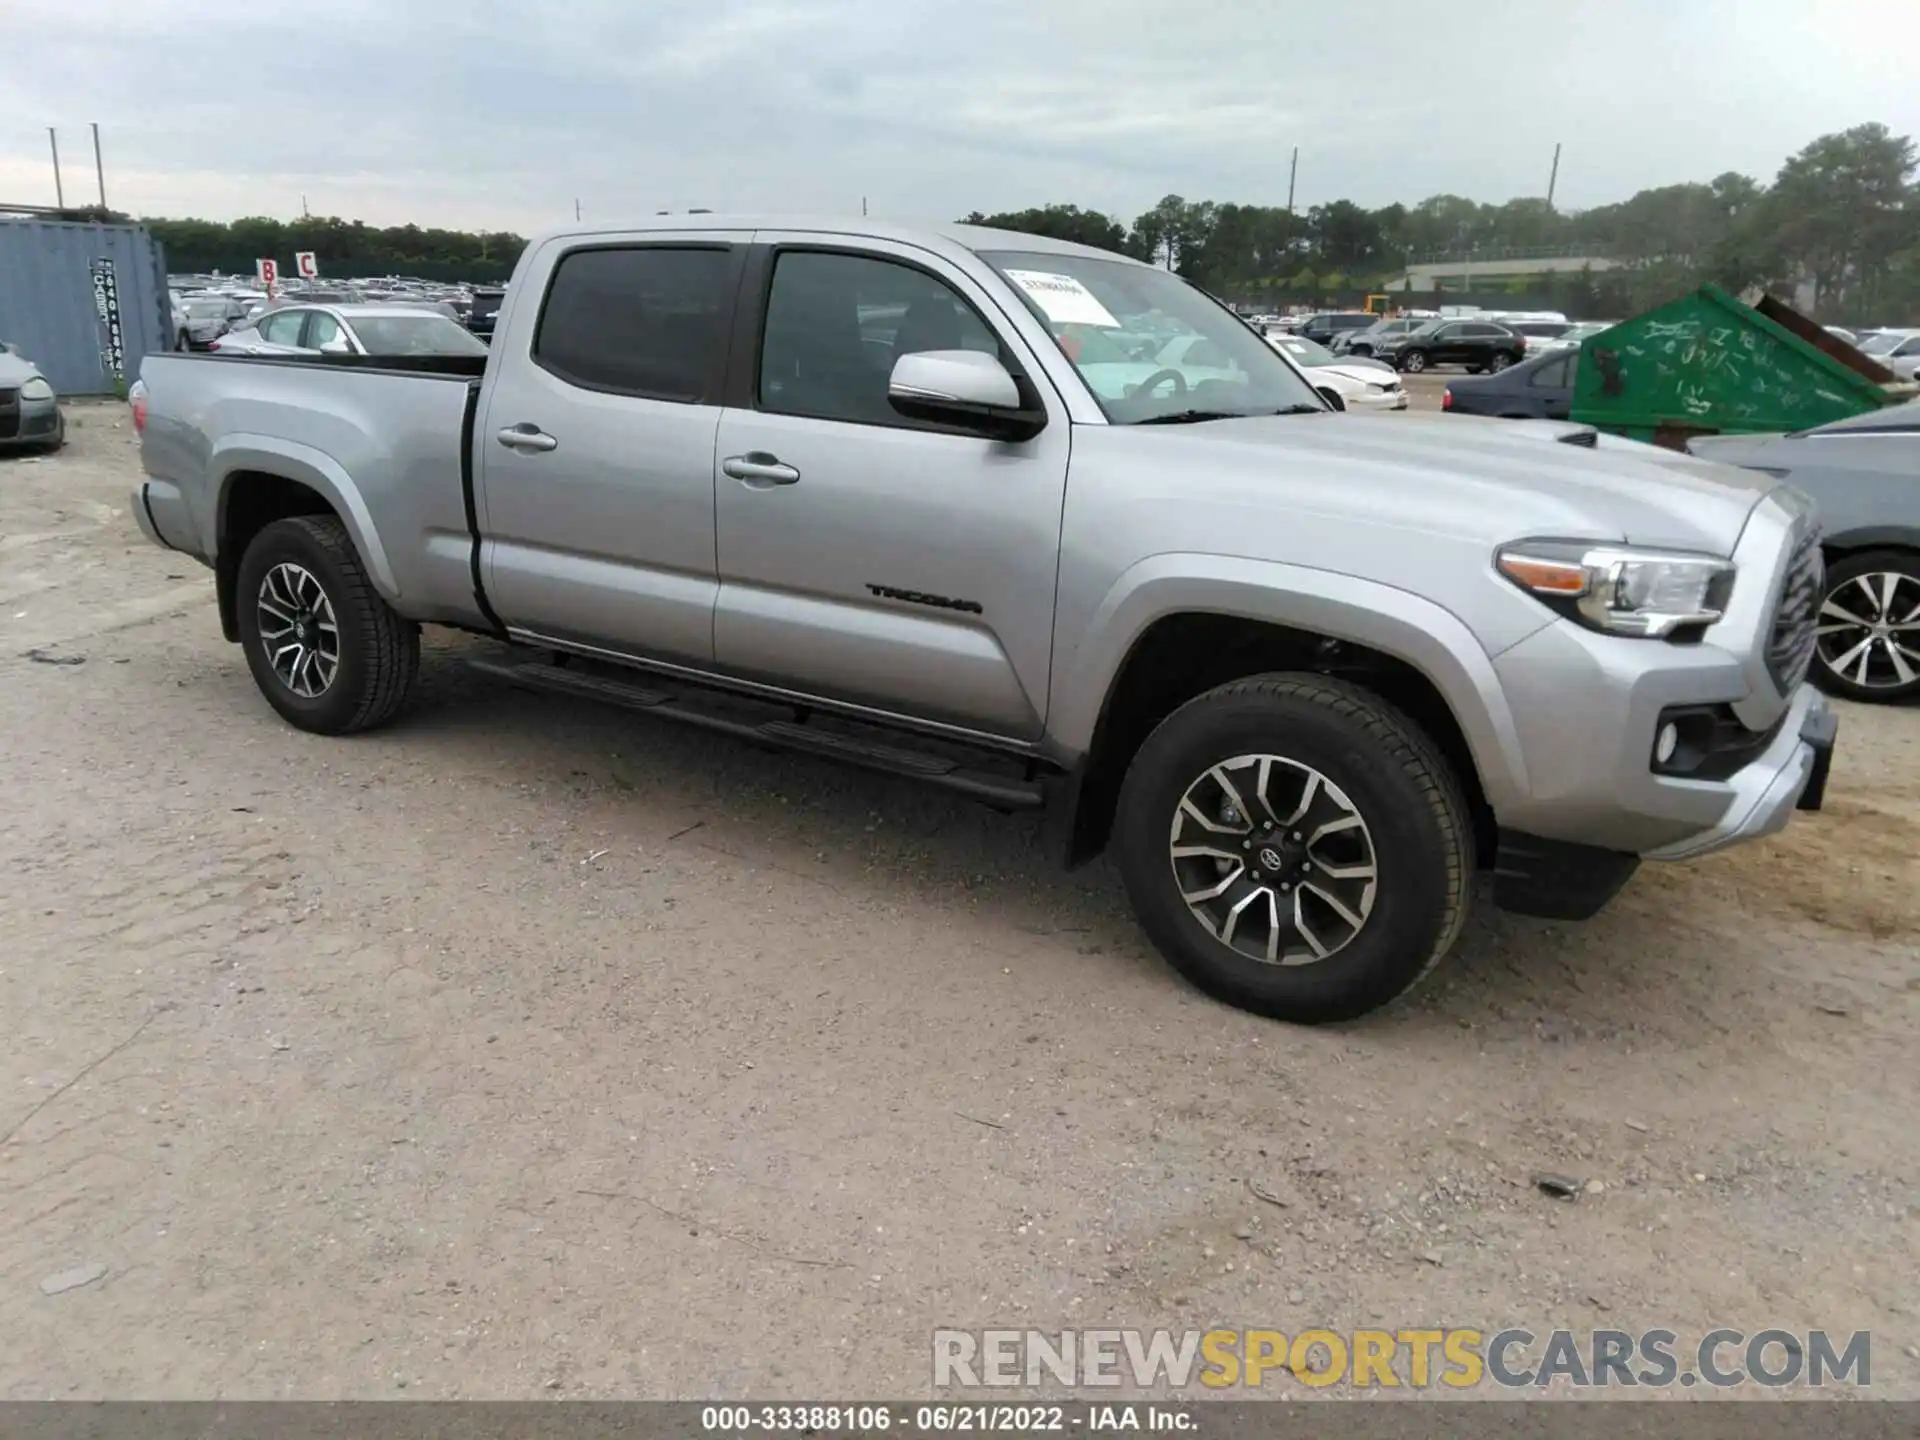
x: 869, y: 558
x: 596, y: 448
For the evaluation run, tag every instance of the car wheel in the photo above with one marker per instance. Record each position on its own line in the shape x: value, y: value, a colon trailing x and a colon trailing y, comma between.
x: 328, y: 653
x: 1867, y: 634
x: 1334, y: 399
x: 1296, y: 847
x: 1500, y: 361
x: 1475, y: 369
x: 1413, y: 362
x: 180, y: 341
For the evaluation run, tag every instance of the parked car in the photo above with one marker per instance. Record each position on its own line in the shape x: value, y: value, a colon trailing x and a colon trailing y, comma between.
x: 1569, y: 339
x: 1863, y: 474
x: 1538, y: 335
x: 1898, y: 350
x: 1370, y: 340
x: 208, y: 317
x: 485, y: 312
x: 30, y: 415
x: 1323, y: 327
x: 398, y: 329
x: 1356, y: 383
x: 1477, y: 344
x: 1305, y: 678
x: 1539, y: 388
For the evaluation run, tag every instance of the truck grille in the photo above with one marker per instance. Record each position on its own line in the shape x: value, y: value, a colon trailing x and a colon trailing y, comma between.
x: 9, y: 414
x: 1790, y: 647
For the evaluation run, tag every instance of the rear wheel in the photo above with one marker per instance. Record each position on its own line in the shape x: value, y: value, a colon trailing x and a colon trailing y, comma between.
x: 1296, y: 847
x: 1500, y: 361
x: 1867, y: 634
x: 328, y: 653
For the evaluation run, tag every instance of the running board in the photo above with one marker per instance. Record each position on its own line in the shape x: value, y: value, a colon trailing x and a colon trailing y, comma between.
x: 1003, y: 792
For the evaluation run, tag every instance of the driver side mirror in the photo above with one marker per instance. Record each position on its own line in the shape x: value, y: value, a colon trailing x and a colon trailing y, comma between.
x: 964, y: 388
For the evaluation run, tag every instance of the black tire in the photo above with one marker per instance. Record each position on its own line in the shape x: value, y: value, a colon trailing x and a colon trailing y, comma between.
x: 1414, y: 361
x: 1846, y: 591
x: 1475, y: 369
x: 1500, y: 361
x: 1334, y: 399
x: 378, y: 652
x: 181, y: 343
x: 1416, y: 819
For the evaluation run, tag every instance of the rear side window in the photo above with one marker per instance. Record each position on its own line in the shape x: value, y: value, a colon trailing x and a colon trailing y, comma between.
x: 645, y: 320
x: 1554, y: 375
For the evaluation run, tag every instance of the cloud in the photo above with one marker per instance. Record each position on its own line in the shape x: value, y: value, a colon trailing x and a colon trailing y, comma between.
x: 501, y: 115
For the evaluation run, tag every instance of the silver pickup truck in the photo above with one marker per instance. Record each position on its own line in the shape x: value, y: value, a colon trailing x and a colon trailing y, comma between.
x: 1051, y: 529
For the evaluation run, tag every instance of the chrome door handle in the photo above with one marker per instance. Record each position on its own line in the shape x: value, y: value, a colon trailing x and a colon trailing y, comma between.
x: 526, y: 437
x: 757, y: 465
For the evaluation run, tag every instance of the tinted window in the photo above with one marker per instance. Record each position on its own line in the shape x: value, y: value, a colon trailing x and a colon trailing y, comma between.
x: 836, y: 323
x: 643, y: 321
x: 1553, y: 375
x: 1479, y: 331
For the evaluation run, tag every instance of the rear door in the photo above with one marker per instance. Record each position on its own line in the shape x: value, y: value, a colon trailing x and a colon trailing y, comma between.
x: 883, y: 562
x: 595, y: 448
x: 1550, y: 388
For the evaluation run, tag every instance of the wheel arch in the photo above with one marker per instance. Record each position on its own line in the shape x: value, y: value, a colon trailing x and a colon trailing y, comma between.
x: 1189, y: 623
x: 272, y: 480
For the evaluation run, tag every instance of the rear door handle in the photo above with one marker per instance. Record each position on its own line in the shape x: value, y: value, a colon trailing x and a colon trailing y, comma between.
x: 526, y: 437
x: 758, y: 468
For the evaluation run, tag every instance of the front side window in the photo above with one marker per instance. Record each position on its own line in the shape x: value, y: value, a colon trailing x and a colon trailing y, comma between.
x: 1553, y: 375
x: 836, y: 324
x: 1137, y: 335
x: 323, y: 329
x: 645, y: 320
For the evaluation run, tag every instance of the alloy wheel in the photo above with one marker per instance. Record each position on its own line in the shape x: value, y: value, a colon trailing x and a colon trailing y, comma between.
x: 1868, y: 632
x: 1273, y: 860
x: 298, y: 630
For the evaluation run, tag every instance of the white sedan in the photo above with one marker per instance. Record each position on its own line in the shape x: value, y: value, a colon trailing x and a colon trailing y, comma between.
x: 1361, y: 384
x: 368, y: 330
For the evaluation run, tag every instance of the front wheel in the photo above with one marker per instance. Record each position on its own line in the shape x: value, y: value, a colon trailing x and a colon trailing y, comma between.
x: 1867, y: 633
x: 328, y: 653
x: 1500, y: 361
x: 1413, y: 362
x: 1296, y: 847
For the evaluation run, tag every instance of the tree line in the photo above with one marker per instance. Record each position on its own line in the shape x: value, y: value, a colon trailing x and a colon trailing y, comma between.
x: 1842, y: 214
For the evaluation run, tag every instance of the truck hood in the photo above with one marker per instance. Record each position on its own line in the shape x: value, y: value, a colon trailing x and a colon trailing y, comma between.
x: 1495, y: 480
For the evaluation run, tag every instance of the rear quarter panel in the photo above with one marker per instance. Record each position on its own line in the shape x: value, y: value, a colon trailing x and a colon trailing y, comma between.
x: 383, y: 448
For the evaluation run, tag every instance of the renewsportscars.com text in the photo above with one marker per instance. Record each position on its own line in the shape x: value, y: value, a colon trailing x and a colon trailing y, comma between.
x: 1413, y: 1358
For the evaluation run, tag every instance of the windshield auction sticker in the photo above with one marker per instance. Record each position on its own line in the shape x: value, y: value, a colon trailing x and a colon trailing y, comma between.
x: 1063, y: 299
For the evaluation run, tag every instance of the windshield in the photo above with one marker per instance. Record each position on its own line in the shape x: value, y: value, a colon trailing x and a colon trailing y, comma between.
x: 1884, y: 343
x: 414, y: 335
x: 1304, y: 352
x: 1150, y: 346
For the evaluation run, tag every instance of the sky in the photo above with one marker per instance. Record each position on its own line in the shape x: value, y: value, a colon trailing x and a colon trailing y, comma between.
x: 482, y: 114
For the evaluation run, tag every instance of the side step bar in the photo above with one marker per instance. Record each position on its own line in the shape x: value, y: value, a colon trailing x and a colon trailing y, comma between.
x: 1003, y: 792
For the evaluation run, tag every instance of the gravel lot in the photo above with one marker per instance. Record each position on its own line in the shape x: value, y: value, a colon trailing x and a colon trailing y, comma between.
x: 526, y: 1048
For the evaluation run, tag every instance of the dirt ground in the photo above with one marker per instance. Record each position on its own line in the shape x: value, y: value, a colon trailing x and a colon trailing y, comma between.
x: 527, y: 1048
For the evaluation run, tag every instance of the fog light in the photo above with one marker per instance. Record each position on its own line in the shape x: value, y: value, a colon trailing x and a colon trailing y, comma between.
x: 1667, y: 741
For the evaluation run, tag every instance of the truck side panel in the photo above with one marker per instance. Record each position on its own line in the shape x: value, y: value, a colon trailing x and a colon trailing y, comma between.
x: 382, y: 448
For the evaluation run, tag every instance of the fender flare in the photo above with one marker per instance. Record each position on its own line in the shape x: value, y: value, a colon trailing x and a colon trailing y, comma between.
x: 263, y: 454
x: 1396, y: 622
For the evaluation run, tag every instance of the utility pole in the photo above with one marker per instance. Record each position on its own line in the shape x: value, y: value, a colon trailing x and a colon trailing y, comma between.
x: 576, y: 210
x: 1553, y: 179
x: 305, y: 213
x: 59, y: 190
x: 863, y: 207
x: 99, y: 170
x: 1293, y: 173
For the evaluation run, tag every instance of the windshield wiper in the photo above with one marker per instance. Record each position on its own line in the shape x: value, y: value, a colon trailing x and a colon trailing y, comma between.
x: 1192, y: 417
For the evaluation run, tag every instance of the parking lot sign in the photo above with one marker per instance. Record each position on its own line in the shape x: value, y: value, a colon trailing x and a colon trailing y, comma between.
x: 268, y: 272
x: 306, y: 264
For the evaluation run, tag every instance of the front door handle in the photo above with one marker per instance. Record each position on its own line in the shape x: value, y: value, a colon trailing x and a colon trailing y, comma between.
x: 527, y: 437
x: 756, y: 467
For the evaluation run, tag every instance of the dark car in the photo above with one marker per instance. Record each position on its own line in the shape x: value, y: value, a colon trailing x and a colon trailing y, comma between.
x: 1323, y: 327
x: 486, y: 309
x: 1536, y: 389
x: 1477, y: 344
x: 1369, y: 340
x: 1863, y: 475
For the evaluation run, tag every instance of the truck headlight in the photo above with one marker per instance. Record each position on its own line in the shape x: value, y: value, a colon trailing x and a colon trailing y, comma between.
x: 36, y: 389
x: 1621, y: 590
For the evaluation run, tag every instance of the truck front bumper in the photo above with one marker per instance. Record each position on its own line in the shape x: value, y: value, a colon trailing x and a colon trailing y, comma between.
x: 1790, y: 774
